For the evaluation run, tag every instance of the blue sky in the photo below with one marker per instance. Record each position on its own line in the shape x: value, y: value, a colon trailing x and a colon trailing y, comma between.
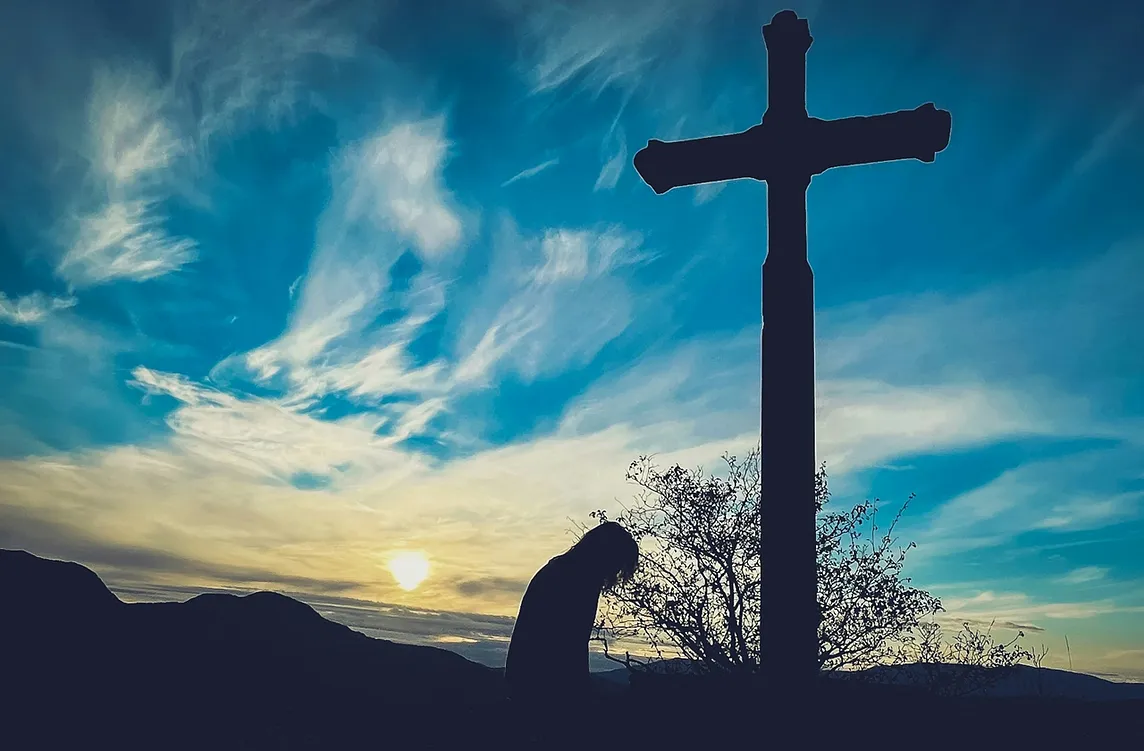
x: 289, y: 287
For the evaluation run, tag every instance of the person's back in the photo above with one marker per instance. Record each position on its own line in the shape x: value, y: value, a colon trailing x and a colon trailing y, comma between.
x: 547, y: 668
x: 548, y: 654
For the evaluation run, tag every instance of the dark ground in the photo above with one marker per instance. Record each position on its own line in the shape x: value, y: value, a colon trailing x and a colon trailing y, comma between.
x: 81, y: 669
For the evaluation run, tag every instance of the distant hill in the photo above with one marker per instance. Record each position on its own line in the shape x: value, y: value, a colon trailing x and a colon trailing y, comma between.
x: 1023, y: 681
x: 1027, y: 681
x: 71, y: 649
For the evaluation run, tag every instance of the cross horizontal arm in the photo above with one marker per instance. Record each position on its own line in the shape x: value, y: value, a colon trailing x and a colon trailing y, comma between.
x: 909, y: 134
x: 795, y: 148
x: 666, y: 165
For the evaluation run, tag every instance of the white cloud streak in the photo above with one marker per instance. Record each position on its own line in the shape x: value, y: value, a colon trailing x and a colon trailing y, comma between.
x: 263, y: 437
x: 614, y: 166
x: 31, y: 309
x: 707, y: 192
x: 147, y: 139
x: 388, y: 195
x: 1075, y: 493
x: 548, y: 303
x: 236, y: 78
x: 125, y: 240
x: 1084, y: 575
x: 1107, y: 140
x: 707, y: 392
x: 525, y: 174
x: 397, y: 179
x: 132, y: 142
x: 1021, y: 608
x: 599, y: 44
x: 1015, y: 330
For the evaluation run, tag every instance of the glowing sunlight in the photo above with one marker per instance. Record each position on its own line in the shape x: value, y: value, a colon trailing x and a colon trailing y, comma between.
x: 409, y: 569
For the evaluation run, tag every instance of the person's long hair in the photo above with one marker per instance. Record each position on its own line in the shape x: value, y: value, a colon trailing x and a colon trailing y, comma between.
x: 612, y: 546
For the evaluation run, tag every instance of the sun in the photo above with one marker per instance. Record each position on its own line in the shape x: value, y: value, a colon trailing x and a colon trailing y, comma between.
x: 409, y: 569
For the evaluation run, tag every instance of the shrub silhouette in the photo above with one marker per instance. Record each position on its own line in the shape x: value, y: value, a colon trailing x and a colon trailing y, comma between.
x: 695, y: 596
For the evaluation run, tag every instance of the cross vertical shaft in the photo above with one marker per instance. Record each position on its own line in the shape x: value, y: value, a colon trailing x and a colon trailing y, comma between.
x: 788, y: 624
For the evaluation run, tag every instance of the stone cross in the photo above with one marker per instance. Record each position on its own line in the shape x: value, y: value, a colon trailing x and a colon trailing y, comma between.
x: 785, y: 151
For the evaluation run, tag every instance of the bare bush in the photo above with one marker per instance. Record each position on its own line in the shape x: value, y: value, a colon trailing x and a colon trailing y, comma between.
x: 970, y: 663
x: 695, y: 595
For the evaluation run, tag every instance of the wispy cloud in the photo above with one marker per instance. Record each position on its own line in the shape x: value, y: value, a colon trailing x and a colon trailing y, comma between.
x: 64, y: 390
x: 708, y: 389
x: 132, y: 142
x: 1036, y: 496
x: 1106, y: 141
x: 124, y: 240
x: 147, y: 138
x: 616, y: 162
x: 864, y: 423
x: 1066, y: 321
x: 237, y: 78
x: 387, y: 194
x: 707, y: 192
x: 30, y: 309
x: 600, y: 44
x: 524, y: 174
x: 1015, y: 607
x: 218, y: 427
x: 132, y: 135
x: 652, y: 55
x: 1087, y: 511
x: 1084, y: 575
x: 396, y: 178
x: 549, y: 302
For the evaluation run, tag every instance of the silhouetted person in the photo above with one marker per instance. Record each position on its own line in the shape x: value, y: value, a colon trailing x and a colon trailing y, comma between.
x: 547, y: 668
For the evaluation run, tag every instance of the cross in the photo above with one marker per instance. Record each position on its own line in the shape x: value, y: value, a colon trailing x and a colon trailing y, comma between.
x: 785, y: 151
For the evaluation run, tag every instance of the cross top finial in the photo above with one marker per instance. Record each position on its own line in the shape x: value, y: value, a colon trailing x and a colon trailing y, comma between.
x: 788, y: 31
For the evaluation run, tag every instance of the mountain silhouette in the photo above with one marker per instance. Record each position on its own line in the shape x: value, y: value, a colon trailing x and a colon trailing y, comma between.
x: 1022, y: 681
x: 79, y: 668
x: 244, y: 671
x: 873, y: 715
x: 1019, y: 681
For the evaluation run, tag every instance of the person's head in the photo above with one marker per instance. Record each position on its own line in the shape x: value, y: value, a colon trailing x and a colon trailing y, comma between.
x: 608, y: 551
